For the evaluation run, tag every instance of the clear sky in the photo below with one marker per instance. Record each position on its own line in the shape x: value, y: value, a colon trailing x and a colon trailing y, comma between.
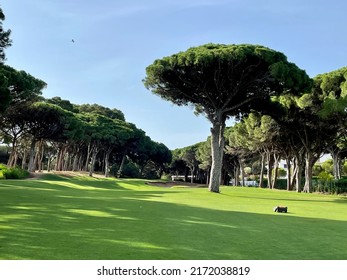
x: 115, y: 40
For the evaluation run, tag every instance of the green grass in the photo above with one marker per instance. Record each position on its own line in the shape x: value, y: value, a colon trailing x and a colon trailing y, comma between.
x: 88, y: 218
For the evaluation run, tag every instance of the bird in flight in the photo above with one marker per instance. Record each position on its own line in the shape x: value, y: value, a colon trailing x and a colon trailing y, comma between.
x: 73, y: 41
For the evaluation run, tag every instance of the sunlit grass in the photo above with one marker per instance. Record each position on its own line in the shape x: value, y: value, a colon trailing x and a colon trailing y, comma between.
x: 88, y: 218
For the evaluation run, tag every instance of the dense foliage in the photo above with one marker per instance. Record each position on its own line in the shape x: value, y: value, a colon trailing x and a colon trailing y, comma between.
x: 43, y: 135
x: 308, y: 127
x: 222, y: 81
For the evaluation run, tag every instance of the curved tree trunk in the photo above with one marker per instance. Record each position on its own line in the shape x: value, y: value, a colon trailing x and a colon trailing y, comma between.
x: 298, y: 167
x: 217, y: 149
x: 87, y: 158
x: 13, y: 153
x: 120, y: 170
x: 107, y: 162
x: 60, y: 159
x: 95, y: 152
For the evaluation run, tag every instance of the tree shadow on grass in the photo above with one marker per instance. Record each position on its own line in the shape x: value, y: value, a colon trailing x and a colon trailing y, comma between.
x: 128, y: 224
x: 275, y: 195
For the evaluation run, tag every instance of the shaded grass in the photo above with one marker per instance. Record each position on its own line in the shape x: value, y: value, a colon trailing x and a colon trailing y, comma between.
x: 87, y: 218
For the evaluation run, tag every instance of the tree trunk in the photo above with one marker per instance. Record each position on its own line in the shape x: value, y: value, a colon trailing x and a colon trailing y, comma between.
x: 276, y: 164
x: 87, y: 158
x: 217, y: 149
x: 15, y: 159
x: 41, y: 155
x: 186, y: 174
x: 80, y: 163
x: 24, y: 159
x: 31, y: 167
x: 298, y: 173
x: 66, y: 161
x: 37, y: 155
x: 49, y: 160
x: 298, y: 167
x: 269, y: 160
x: 339, y: 168
x: 262, y: 168
x: 60, y: 159
x: 308, y: 172
x: 236, y: 175
x: 192, y: 175
x: 107, y: 162
x: 142, y: 169
x: 208, y: 176
x: 12, y: 161
x: 57, y: 160
x: 337, y: 165
x: 120, y: 170
x: 13, y: 152
x: 95, y: 151
x: 242, y: 171
x: 75, y: 162
x: 289, y: 175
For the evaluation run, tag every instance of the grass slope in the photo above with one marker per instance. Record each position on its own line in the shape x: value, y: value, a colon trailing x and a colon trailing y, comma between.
x: 88, y: 218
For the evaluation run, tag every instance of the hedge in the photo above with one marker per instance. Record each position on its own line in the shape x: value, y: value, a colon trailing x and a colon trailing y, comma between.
x: 13, y: 172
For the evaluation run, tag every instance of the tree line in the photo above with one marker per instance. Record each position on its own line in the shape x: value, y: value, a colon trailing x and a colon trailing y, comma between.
x: 57, y: 135
x: 299, y: 131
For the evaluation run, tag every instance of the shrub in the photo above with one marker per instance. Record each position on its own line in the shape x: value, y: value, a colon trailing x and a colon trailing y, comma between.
x: 325, y: 176
x: 166, y: 176
x: 282, y: 172
x: 15, y: 173
x: 328, y: 166
x: 3, y: 167
x: 130, y: 170
x: 281, y: 184
x: 341, y: 186
x: 330, y: 186
x: 317, y: 168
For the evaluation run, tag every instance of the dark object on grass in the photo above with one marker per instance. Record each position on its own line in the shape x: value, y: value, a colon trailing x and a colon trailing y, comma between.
x: 281, y: 209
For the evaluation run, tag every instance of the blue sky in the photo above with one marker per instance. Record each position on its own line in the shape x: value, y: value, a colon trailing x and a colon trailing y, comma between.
x: 116, y: 39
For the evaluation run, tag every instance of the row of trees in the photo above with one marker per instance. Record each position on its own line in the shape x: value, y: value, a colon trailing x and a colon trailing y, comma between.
x: 56, y: 134
x: 299, y: 132
x: 283, y: 113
